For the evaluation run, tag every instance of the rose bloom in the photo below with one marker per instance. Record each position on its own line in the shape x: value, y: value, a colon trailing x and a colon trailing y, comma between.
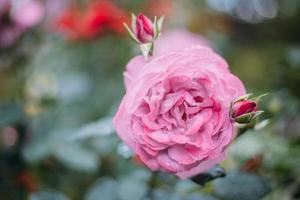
x: 175, y: 113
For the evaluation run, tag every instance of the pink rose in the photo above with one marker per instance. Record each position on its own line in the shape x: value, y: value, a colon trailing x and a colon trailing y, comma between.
x: 175, y: 113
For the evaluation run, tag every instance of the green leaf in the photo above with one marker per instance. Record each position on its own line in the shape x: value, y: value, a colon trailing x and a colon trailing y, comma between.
x: 76, y: 157
x: 133, y: 21
x: 159, y: 25
x: 247, y: 145
x: 131, y: 34
x: 248, y: 117
x: 135, y: 185
x: 10, y: 113
x: 243, y: 97
x: 184, y: 186
x: 100, y: 128
x: 198, y: 196
x: 132, y: 189
x: 103, y: 189
x: 260, y: 125
x: 258, y: 98
x: 155, y: 26
x: 37, y: 151
x: 240, y: 185
x: 160, y: 194
x: 256, y: 114
x: 245, y: 118
x: 48, y: 194
x: 124, y: 151
x: 104, y: 146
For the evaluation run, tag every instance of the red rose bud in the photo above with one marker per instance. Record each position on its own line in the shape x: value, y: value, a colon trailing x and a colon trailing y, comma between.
x: 243, y: 107
x: 143, y: 29
x: 145, y: 32
x: 245, y: 110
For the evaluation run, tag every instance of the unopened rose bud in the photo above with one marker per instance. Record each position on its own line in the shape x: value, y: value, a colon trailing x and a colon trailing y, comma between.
x: 245, y: 110
x: 243, y: 107
x: 143, y: 29
x: 145, y: 32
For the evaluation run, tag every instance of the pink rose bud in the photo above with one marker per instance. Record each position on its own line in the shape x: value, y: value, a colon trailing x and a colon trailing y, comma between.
x: 244, y: 107
x: 143, y: 29
x: 244, y: 111
x: 144, y: 32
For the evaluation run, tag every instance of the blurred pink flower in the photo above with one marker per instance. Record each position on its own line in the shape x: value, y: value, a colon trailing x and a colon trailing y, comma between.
x: 175, y: 113
x: 16, y: 18
x: 28, y: 14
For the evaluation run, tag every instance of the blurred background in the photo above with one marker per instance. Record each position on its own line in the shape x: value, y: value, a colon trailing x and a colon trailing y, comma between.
x: 61, y: 64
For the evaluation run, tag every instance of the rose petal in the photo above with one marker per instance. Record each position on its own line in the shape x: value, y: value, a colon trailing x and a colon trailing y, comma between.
x: 179, y: 138
x: 160, y: 136
x: 168, y: 164
x: 202, y: 167
x: 132, y: 69
x: 147, y: 159
x: 180, y: 155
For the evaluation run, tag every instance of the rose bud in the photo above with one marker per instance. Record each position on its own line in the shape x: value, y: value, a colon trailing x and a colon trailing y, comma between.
x: 144, y: 32
x: 245, y: 110
x: 244, y: 107
x: 143, y: 29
